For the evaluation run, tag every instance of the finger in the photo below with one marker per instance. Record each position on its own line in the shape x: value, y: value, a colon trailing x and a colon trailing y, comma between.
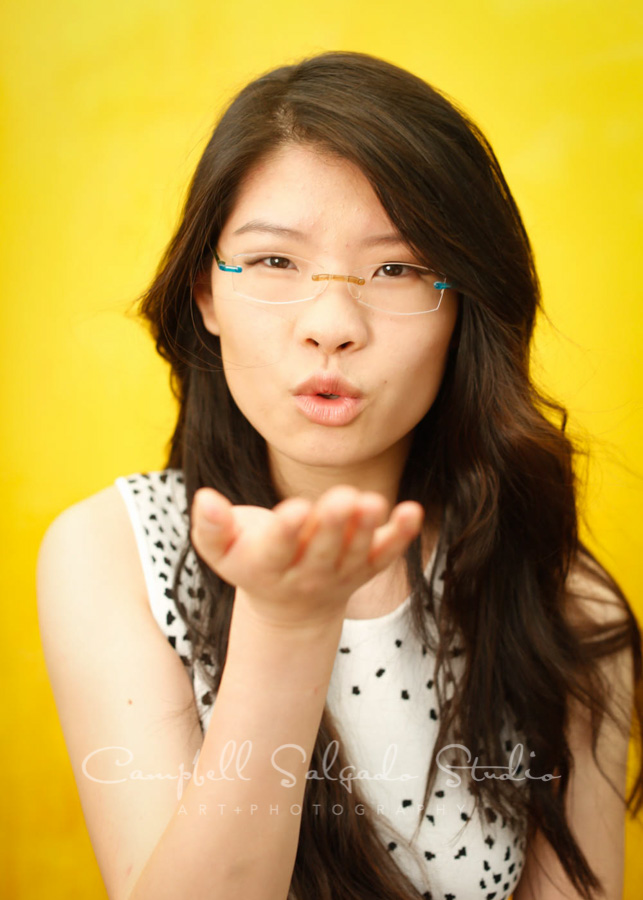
x: 285, y: 534
x: 372, y: 512
x: 325, y: 536
x: 392, y: 539
x: 213, y: 528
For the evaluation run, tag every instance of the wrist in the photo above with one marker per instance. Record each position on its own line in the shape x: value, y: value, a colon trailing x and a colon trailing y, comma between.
x: 288, y: 658
x: 301, y: 626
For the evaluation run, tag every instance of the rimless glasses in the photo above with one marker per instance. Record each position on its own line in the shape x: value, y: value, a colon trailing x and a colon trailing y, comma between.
x: 402, y: 289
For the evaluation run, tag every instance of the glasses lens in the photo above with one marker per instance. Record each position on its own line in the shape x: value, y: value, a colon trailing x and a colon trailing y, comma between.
x: 399, y: 288
x: 391, y: 287
x: 274, y: 279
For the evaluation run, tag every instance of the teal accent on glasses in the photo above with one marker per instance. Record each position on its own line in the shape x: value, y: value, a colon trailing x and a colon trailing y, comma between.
x: 223, y: 266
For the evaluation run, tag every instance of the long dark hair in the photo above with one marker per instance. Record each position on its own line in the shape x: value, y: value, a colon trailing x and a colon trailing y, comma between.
x: 492, y: 452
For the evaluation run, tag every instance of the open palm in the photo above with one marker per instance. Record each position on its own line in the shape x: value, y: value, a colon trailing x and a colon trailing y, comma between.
x: 301, y: 561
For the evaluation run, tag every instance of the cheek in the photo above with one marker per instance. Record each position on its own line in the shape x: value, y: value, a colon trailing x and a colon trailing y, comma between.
x: 423, y: 341
x: 415, y: 373
x: 245, y: 332
x: 251, y: 348
x: 425, y: 357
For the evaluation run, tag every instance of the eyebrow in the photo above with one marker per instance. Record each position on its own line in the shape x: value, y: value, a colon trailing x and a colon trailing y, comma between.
x: 260, y: 226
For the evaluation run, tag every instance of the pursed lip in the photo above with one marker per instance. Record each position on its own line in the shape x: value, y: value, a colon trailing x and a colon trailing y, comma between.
x: 328, y: 383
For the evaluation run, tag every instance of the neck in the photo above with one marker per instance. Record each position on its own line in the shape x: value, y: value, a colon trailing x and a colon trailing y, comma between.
x: 387, y: 590
x: 381, y: 474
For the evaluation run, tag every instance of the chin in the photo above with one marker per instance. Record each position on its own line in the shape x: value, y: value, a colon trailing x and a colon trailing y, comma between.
x: 324, y: 452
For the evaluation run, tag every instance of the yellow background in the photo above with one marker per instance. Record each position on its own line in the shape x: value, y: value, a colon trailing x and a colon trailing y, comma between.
x: 106, y: 108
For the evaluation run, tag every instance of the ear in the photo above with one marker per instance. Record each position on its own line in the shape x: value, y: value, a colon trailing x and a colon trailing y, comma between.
x: 204, y: 300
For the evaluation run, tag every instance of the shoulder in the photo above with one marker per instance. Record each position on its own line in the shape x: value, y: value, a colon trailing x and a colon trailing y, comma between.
x: 594, y: 603
x: 104, y: 512
x: 94, y: 534
x: 601, y: 618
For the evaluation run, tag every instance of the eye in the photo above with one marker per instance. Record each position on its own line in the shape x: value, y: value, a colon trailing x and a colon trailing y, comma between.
x: 395, y: 270
x: 271, y: 262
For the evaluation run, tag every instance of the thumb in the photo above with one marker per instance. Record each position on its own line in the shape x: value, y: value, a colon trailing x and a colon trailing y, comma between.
x: 213, y: 528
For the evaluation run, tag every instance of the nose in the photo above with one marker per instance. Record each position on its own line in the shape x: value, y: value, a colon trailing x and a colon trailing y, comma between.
x: 333, y: 320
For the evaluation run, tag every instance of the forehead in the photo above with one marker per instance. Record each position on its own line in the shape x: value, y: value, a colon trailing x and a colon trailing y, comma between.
x: 310, y: 192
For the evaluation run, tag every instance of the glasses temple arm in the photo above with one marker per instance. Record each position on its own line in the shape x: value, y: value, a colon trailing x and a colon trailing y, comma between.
x: 222, y: 265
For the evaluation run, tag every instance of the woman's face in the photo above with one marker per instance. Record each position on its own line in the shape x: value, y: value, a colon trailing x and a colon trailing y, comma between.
x: 396, y: 362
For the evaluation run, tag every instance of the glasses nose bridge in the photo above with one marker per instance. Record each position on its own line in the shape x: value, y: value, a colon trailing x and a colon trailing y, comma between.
x: 352, y: 283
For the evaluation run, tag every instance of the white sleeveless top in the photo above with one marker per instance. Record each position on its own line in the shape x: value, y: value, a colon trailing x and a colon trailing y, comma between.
x: 382, y: 697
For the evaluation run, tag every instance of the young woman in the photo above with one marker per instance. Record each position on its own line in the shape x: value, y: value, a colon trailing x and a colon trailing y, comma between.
x: 347, y: 643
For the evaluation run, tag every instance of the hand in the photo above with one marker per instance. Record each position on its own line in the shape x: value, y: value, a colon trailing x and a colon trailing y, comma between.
x: 300, y: 562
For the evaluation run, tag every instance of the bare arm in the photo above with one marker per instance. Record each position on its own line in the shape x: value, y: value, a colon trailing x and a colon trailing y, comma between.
x: 282, y: 647
x: 302, y: 564
x: 596, y: 814
x: 595, y: 811
x: 242, y: 834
